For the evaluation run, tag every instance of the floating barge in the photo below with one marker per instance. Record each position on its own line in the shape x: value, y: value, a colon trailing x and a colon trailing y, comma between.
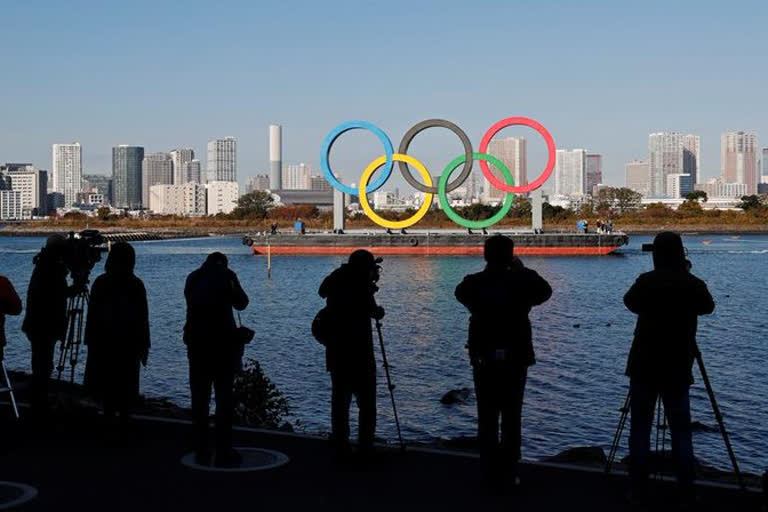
x: 433, y: 243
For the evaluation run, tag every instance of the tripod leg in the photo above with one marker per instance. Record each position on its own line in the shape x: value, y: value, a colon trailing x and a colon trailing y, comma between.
x: 390, y: 386
x: 719, y: 417
x: 617, y: 436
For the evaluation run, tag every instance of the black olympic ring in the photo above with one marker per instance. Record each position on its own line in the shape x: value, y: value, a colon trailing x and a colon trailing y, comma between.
x: 436, y: 123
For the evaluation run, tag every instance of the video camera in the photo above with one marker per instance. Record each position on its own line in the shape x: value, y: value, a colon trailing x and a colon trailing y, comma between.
x: 82, y: 251
x: 649, y: 248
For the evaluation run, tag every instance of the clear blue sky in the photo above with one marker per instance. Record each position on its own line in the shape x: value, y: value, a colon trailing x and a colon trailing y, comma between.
x: 599, y: 75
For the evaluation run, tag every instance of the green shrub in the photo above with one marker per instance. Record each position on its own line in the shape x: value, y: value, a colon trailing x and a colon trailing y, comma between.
x: 258, y: 402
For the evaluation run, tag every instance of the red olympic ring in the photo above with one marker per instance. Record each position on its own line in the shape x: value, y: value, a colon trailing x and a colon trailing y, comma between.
x: 518, y: 121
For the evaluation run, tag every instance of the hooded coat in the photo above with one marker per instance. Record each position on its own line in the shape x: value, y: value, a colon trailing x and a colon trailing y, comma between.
x: 117, y: 328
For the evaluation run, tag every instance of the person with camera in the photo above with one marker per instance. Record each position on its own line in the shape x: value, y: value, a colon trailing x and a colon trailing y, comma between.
x: 10, y: 304
x: 45, y: 321
x: 117, y: 333
x: 499, y: 300
x: 667, y: 302
x: 213, y: 347
x: 349, y: 292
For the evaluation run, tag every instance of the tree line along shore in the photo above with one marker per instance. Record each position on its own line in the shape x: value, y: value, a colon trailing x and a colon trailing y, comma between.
x: 256, y: 212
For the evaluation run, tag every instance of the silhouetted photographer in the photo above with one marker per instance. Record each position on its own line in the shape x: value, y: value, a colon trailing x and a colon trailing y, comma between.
x: 667, y: 300
x: 501, y: 349
x: 213, y: 348
x: 117, y: 333
x: 349, y: 292
x: 45, y: 321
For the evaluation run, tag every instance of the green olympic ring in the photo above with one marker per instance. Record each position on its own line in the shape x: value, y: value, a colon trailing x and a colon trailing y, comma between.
x: 443, y: 195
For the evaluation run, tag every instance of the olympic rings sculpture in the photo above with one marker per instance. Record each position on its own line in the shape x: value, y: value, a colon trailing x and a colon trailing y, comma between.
x: 444, y: 185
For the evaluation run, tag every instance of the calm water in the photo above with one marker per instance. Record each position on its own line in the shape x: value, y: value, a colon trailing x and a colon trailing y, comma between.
x: 574, y: 390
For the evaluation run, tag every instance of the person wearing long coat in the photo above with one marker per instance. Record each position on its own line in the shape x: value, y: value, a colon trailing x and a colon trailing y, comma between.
x: 117, y: 333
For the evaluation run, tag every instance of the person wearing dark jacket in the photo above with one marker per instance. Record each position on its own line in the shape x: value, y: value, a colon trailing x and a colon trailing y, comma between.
x: 10, y: 304
x: 210, y: 333
x: 349, y: 293
x: 667, y: 301
x: 117, y: 333
x: 499, y: 300
x: 45, y: 321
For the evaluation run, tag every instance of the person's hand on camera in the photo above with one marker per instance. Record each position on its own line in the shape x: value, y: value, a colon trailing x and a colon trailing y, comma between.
x: 378, y: 313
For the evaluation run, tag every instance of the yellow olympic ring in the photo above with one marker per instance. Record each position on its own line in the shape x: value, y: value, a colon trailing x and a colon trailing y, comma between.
x: 366, y: 177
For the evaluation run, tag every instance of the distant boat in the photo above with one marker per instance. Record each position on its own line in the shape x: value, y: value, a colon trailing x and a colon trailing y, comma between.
x: 706, y: 242
x: 433, y: 243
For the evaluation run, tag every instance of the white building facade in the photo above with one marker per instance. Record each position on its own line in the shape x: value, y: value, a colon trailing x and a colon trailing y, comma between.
x: 222, y: 196
x: 187, y: 199
x: 11, y: 205
x: 67, y: 171
x: 222, y: 159
x: 297, y: 177
x: 570, y: 172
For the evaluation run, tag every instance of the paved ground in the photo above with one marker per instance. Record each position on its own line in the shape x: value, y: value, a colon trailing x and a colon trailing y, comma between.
x: 83, y: 466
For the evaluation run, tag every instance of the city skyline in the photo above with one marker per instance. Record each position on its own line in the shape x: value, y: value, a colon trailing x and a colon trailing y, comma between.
x: 634, y: 86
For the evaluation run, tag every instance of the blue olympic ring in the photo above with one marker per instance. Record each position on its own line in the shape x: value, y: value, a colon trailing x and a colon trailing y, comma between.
x: 326, y: 150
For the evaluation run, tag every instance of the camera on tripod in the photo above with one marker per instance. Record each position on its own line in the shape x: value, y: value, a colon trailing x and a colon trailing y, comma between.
x: 82, y: 251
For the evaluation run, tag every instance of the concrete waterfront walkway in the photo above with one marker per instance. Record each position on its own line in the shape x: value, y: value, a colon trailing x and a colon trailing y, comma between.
x: 81, y: 466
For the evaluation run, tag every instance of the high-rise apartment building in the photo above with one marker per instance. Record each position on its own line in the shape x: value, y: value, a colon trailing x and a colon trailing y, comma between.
x: 692, y: 158
x: 672, y: 153
x: 126, y: 176
x: 193, y: 172
x: 512, y: 152
x: 738, y: 159
x: 258, y: 182
x: 636, y: 177
x: 67, y: 171
x: 297, y: 177
x: 31, y: 183
x: 156, y: 169
x: 222, y: 159
x: 180, y: 158
x: 570, y: 172
x: 764, y: 160
x: 594, y: 173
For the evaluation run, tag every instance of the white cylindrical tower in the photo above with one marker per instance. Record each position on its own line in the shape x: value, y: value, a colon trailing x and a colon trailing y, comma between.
x: 275, y: 157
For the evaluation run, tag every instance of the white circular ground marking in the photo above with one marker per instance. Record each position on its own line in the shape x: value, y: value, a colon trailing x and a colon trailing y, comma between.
x: 13, y: 494
x: 254, y: 459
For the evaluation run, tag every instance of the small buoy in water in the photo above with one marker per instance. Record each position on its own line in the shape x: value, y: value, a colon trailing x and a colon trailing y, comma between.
x: 577, y: 325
